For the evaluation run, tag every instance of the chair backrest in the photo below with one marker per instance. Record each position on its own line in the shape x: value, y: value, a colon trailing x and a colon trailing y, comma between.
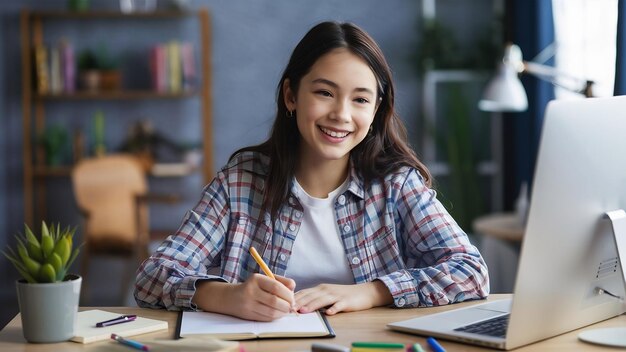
x: 106, y: 190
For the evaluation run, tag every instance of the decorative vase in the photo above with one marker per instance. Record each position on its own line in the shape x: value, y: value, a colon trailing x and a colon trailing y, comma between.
x: 90, y: 80
x: 49, y: 311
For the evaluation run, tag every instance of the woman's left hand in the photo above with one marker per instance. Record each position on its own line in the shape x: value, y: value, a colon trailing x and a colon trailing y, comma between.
x: 343, y: 298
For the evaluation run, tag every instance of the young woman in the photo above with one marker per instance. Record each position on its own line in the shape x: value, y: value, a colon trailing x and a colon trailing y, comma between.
x: 335, y: 201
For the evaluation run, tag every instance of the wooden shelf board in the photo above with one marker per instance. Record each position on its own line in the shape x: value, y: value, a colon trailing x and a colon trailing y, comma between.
x: 116, y: 95
x: 87, y: 15
x: 66, y: 170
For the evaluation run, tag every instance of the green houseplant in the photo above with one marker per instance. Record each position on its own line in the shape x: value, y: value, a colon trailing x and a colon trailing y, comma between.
x: 47, y: 295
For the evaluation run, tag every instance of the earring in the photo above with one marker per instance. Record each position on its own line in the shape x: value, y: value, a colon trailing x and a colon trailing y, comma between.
x: 289, y: 113
x: 371, y: 129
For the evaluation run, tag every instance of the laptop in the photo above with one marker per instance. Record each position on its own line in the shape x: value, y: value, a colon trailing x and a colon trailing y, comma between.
x: 569, y: 273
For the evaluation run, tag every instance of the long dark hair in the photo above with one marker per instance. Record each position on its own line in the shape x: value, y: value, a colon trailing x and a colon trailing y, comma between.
x: 384, y: 150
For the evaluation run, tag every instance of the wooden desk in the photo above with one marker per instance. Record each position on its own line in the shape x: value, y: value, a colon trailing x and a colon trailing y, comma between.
x: 366, y: 325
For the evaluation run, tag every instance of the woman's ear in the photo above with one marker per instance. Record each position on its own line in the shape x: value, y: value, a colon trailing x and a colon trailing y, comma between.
x: 289, y: 96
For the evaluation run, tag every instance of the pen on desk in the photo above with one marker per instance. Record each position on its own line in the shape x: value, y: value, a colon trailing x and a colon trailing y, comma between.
x: 434, y: 345
x: 378, y: 345
x: 118, y: 320
x: 265, y: 268
x: 130, y: 343
x: 417, y: 348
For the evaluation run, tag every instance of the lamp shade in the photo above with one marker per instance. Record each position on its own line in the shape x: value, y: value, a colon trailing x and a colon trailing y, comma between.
x: 505, y: 92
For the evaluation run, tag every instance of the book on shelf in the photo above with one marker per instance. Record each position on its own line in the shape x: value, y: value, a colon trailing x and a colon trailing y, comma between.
x: 188, y: 64
x: 195, y: 324
x: 173, y: 67
x: 56, y: 85
x: 55, y: 68
x: 68, y: 66
x: 41, y: 69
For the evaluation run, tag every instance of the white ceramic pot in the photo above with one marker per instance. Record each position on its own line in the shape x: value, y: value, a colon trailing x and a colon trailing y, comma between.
x: 48, y: 311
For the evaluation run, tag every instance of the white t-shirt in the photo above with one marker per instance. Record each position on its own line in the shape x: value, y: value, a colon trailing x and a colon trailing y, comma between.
x: 318, y: 255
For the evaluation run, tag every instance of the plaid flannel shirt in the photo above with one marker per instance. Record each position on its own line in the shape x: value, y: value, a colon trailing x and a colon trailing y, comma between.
x: 395, y: 231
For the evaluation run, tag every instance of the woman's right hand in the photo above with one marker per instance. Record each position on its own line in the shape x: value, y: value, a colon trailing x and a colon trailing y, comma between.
x: 259, y: 298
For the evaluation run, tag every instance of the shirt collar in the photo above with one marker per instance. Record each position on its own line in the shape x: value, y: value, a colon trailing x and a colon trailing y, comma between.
x: 355, y: 184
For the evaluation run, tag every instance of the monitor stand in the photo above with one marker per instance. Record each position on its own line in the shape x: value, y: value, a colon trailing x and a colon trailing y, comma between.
x: 615, y: 337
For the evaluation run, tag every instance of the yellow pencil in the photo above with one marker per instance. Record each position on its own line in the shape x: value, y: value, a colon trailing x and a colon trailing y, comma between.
x: 265, y: 268
x: 259, y: 260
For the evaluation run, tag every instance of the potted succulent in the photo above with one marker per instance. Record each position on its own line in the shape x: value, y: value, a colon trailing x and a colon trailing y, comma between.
x: 47, y: 295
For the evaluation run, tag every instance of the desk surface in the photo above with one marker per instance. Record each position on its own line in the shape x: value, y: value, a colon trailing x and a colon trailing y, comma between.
x: 366, y: 325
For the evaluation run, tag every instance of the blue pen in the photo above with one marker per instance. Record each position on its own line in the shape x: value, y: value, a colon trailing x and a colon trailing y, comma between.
x: 434, y: 345
x: 130, y: 343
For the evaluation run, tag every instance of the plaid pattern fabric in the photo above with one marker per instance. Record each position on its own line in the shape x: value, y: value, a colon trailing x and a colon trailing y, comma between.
x: 395, y: 231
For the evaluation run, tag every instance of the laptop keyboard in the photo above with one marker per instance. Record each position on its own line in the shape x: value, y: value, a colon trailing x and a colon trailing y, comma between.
x: 491, y: 327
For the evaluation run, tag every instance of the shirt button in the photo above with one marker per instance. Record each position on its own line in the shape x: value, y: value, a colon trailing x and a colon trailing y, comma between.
x: 346, y: 228
x: 356, y: 260
x: 292, y: 227
x: 241, y: 221
x: 342, y: 199
x: 298, y: 214
x: 401, y: 302
x: 282, y: 257
x: 267, y: 236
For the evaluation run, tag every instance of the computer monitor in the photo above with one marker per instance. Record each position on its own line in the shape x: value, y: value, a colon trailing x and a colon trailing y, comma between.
x: 580, y: 175
x: 569, y: 275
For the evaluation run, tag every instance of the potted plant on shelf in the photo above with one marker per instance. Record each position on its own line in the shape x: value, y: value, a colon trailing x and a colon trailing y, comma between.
x: 54, y: 141
x: 47, y: 295
x: 98, y: 70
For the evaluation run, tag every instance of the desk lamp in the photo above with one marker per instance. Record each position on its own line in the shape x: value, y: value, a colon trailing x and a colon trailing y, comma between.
x: 505, y: 92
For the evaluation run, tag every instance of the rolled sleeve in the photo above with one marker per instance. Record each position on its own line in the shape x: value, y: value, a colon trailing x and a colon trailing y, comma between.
x: 167, y: 279
x: 445, y: 266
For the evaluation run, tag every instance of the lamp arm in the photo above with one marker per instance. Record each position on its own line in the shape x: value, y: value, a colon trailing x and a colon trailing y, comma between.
x: 550, y: 74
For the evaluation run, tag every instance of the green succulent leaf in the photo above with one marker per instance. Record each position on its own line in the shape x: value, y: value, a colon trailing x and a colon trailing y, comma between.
x: 47, y: 245
x: 73, y: 257
x: 56, y: 262
x: 47, y: 273
x: 21, y: 250
x: 63, y: 249
x: 34, y: 251
x: 44, y: 229
x: 30, y: 237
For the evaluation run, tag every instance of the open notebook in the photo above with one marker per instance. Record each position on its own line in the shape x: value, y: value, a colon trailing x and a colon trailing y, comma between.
x: 230, y: 328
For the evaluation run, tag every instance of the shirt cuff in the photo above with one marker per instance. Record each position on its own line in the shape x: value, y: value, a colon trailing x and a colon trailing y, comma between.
x: 403, y: 289
x: 187, y: 289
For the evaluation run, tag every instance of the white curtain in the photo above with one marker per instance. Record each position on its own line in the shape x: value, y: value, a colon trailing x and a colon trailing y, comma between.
x: 585, y: 37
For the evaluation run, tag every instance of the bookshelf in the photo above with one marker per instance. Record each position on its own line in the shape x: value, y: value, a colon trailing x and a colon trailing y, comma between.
x: 34, y: 103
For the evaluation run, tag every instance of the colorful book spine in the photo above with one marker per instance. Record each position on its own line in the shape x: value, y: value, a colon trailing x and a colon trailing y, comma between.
x: 68, y: 67
x: 174, y: 66
x: 190, y: 78
x: 56, y: 85
x: 159, y: 68
x: 41, y: 69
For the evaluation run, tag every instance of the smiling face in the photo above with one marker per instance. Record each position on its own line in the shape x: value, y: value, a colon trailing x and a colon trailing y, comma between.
x: 334, y: 106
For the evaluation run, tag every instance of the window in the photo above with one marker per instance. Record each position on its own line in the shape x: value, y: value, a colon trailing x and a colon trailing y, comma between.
x: 585, y: 34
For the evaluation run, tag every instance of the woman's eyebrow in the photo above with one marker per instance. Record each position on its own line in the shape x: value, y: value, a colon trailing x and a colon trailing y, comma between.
x: 335, y: 85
